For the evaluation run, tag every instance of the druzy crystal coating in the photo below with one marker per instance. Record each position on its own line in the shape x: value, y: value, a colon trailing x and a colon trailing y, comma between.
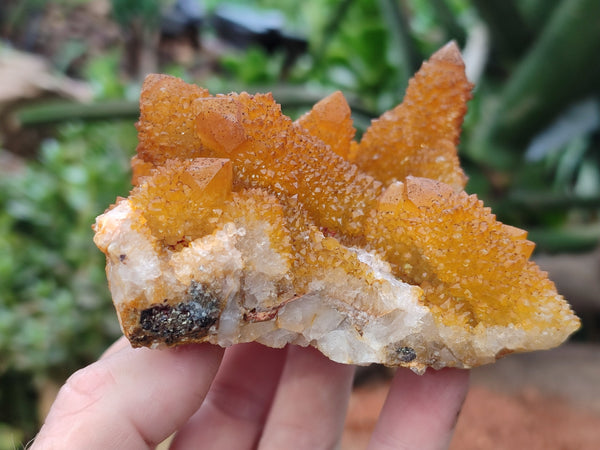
x: 295, y: 233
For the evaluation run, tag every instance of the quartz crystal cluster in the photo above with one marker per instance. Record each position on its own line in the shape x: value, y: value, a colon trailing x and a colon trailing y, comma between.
x: 244, y: 225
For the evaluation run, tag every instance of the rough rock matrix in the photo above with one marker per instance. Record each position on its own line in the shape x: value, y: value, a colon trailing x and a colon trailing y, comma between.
x: 246, y: 226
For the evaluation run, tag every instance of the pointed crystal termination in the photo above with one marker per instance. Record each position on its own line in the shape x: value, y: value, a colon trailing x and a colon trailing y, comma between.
x: 179, y: 199
x: 330, y: 121
x: 420, y: 136
x: 163, y: 132
x: 285, y: 240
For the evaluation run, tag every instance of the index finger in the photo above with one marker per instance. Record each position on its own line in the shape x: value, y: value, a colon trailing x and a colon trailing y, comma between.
x: 131, y: 398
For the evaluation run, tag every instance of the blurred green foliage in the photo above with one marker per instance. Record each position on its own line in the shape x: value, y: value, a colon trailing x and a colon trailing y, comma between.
x: 55, y: 310
x: 530, y: 146
x: 50, y: 270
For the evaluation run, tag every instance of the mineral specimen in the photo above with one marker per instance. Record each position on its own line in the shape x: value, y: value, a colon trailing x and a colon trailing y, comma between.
x: 246, y: 226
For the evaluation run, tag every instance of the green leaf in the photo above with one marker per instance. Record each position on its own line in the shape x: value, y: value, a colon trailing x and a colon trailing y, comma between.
x: 561, y: 68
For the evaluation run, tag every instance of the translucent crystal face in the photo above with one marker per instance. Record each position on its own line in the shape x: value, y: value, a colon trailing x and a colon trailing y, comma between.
x: 179, y: 200
x: 370, y: 251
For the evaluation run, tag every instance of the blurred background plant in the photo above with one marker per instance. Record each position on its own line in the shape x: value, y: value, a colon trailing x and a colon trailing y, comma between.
x: 530, y: 141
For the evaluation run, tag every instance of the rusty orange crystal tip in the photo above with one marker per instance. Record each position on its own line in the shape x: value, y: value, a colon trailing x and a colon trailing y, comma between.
x: 244, y: 225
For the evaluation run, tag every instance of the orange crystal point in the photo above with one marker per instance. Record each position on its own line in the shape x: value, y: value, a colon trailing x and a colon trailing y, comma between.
x: 178, y: 198
x: 420, y: 136
x: 330, y: 120
x: 166, y: 125
x: 283, y: 158
x: 472, y: 268
x: 219, y: 124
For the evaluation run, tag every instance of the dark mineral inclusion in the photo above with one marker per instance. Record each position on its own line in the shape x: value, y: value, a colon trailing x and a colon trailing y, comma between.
x: 192, y: 318
x: 406, y: 354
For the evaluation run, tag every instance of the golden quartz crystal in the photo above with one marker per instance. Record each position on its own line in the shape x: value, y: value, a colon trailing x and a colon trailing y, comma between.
x: 246, y: 226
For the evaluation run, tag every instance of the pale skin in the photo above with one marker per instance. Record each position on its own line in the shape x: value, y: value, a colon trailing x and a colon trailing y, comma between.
x: 246, y: 397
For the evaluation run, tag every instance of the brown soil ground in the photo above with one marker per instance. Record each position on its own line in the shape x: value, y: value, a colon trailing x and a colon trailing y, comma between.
x: 491, y: 420
x: 546, y: 400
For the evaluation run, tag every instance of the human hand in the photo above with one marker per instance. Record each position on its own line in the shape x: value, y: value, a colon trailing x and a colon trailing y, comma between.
x: 248, y: 396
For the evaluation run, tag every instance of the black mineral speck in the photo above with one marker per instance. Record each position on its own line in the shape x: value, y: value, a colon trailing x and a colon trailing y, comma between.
x: 190, y: 319
x: 406, y: 354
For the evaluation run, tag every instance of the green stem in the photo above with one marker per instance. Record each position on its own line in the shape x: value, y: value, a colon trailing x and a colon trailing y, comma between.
x: 62, y: 111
